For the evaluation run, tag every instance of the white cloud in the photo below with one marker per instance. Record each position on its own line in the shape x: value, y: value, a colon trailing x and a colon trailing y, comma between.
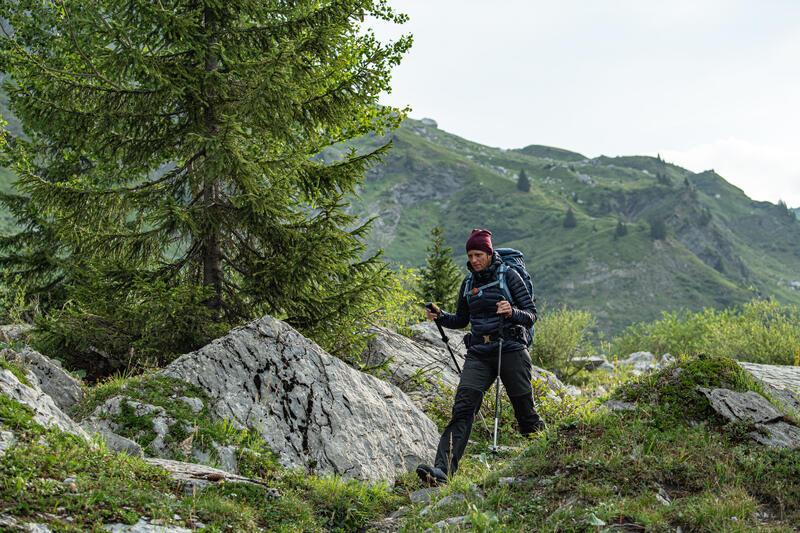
x: 764, y: 172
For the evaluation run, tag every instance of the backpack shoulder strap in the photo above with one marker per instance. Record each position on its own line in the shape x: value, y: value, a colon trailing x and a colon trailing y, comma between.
x: 501, y: 278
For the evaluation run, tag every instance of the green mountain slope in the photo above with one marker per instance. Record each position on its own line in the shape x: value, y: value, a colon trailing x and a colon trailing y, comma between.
x: 721, y: 248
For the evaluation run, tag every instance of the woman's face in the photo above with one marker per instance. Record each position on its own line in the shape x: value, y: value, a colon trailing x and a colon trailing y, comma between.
x: 478, y: 259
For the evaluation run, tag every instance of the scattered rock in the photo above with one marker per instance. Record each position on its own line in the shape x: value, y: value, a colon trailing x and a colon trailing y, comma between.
x: 195, y: 404
x: 99, y: 422
x: 447, y: 500
x: 402, y: 511
x: 617, y: 405
x: 7, y: 440
x: 447, y: 522
x: 735, y: 406
x: 196, y: 476
x: 510, y: 481
x: 226, y: 457
x: 752, y: 407
x: 15, y: 332
x: 145, y: 526
x: 422, y: 495
x: 608, y: 367
x: 46, y: 413
x: 311, y: 409
x: 589, y: 363
x: 781, y: 434
x: 116, y: 443
x: 53, y: 380
x: 640, y: 362
x: 429, y: 122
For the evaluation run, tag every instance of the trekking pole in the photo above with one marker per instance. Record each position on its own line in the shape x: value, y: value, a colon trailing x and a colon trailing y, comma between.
x: 429, y: 305
x: 497, y: 386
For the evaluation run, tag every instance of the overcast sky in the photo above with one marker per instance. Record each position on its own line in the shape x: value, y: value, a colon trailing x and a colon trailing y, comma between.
x: 705, y: 83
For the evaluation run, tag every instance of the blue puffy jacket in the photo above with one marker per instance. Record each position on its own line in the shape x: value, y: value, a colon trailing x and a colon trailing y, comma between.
x: 480, y: 310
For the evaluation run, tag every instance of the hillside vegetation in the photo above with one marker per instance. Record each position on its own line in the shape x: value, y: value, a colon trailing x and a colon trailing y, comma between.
x: 719, y: 248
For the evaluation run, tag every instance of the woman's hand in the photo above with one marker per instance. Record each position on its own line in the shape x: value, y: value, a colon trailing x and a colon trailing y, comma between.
x: 432, y: 315
x: 504, y: 308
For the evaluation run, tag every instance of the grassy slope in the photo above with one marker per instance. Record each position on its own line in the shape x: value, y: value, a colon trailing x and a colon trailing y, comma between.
x: 588, y: 471
x: 741, y: 247
x: 595, y: 471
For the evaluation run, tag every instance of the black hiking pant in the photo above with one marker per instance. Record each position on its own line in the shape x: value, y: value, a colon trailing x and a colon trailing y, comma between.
x: 478, y: 375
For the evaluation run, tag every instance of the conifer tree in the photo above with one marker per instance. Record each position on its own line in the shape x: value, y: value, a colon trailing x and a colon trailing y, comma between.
x: 440, y: 276
x: 658, y: 228
x: 569, y: 219
x: 621, y: 230
x: 523, y: 184
x: 170, y: 145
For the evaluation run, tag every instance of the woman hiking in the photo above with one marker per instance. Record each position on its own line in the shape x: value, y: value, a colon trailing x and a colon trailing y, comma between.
x: 484, y: 306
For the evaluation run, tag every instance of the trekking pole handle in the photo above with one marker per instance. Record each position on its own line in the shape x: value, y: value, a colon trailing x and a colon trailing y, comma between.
x: 433, y: 309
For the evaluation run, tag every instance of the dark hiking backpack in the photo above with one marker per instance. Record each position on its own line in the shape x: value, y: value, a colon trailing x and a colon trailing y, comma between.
x: 511, y: 259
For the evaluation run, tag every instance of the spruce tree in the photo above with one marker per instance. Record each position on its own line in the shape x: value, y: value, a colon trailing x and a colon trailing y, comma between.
x: 440, y: 277
x: 621, y: 230
x: 658, y: 228
x: 569, y: 219
x: 171, y: 145
x: 523, y: 184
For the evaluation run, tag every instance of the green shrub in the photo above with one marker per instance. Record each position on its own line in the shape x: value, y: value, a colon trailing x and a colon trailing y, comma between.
x: 560, y: 336
x: 760, y: 331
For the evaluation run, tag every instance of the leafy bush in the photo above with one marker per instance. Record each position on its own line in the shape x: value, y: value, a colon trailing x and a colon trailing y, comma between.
x: 395, y: 307
x: 560, y: 336
x: 760, y: 331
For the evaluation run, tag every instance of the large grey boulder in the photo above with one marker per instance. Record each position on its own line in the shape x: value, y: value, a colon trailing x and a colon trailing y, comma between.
x: 64, y: 389
x: 310, y: 408
x: 46, y: 412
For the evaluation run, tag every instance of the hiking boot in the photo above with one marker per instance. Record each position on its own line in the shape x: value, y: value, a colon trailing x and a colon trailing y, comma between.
x: 431, y: 476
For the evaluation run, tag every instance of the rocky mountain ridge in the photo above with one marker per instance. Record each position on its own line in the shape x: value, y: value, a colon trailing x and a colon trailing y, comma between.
x: 719, y: 247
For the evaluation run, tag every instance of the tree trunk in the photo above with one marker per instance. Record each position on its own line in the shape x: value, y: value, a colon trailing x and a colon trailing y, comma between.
x: 212, y: 190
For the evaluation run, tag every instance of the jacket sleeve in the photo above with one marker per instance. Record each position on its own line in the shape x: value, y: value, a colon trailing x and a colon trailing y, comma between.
x: 523, y: 311
x: 459, y: 319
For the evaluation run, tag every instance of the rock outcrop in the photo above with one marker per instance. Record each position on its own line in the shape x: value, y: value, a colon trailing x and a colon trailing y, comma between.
x: 422, y: 366
x: 310, y: 408
x: 780, y: 381
x: 53, y: 380
x: 751, y: 407
x: 45, y: 411
x: 14, y: 332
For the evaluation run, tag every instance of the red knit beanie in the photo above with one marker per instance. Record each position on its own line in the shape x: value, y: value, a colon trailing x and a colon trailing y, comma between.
x: 480, y: 239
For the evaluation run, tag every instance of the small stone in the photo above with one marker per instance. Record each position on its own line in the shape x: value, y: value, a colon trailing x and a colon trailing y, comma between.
x: 400, y: 512
x: 422, y: 495
x: 195, y: 404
